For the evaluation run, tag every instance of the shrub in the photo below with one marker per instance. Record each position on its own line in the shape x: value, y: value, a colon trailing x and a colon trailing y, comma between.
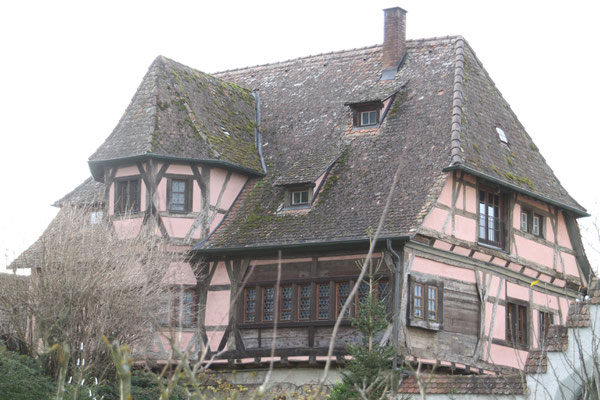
x: 22, y: 378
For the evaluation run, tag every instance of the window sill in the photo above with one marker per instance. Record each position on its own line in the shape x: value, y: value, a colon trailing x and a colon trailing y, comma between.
x: 291, y: 324
x: 502, y: 342
x: 492, y: 247
x: 432, y: 326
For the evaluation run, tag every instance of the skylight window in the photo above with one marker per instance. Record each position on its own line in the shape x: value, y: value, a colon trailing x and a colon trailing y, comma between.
x: 501, y: 135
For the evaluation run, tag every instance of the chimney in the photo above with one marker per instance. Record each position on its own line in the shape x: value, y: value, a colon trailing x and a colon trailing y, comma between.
x: 394, y: 41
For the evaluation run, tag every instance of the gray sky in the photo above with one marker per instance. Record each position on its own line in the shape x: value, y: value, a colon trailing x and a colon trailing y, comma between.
x: 70, y: 68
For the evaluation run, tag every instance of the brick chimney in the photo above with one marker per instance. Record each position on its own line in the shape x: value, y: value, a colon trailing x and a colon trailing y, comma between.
x: 394, y: 41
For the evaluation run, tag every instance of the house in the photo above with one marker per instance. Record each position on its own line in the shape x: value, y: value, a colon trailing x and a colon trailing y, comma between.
x: 292, y: 164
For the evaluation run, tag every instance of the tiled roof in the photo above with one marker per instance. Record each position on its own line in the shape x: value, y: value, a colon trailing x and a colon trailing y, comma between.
x: 465, y: 384
x: 180, y: 112
x: 305, y: 127
x: 482, y: 110
x: 89, y: 192
x: 444, y: 114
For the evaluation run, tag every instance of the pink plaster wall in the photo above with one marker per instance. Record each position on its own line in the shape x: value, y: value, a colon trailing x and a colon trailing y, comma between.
x: 517, y: 291
x: 446, y: 196
x: 501, y: 355
x: 127, y: 171
x: 215, y: 222
x: 435, y: 268
x: 482, y: 256
x: 217, y: 178
x: 179, y: 273
x: 196, y: 197
x: 564, y: 308
x: 563, y: 235
x: 320, y: 179
x: 570, y: 264
x: 489, y: 308
x: 500, y: 323
x: 128, y: 228
x: 161, y: 195
x: 436, y: 218
x: 535, y: 252
x: 179, y: 169
x: 439, y: 244
x: 545, y: 300
x: 181, y: 339
x: 143, y: 192
x: 293, y: 260
x: 218, y: 304
x: 471, y: 202
x: 214, y: 339
x: 234, y: 186
x: 111, y: 199
x: 465, y: 228
x: 462, y: 251
x: 220, y: 276
x: 516, y: 222
x: 177, y: 227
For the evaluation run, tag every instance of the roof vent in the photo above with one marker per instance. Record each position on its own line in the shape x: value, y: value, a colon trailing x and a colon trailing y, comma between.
x: 501, y: 135
x: 394, y: 41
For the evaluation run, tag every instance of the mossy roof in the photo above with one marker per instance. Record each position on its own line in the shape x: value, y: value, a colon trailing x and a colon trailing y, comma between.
x: 180, y: 112
x: 434, y: 120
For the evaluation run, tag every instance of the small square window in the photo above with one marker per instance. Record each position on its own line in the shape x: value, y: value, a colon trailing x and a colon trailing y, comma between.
x: 299, y: 197
x: 127, y: 196
x: 425, y: 304
x: 517, y: 326
x: 368, y: 118
x: 532, y: 222
x: 179, y: 194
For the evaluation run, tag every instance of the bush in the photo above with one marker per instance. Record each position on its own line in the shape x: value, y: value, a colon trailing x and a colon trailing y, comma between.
x: 22, y: 378
x: 144, y: 386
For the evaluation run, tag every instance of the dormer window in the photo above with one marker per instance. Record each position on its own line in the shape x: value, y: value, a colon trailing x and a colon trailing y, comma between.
x: 299, y: 197
x: 368, y: 118
x: 366, y: 115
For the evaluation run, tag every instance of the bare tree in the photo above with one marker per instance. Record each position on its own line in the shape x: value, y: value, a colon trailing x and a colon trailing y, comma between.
x: 86, y: 282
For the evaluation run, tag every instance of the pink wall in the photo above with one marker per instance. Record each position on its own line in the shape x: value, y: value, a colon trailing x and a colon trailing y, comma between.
x: 218, y: 304
x: 436, y: 218
x: 196, y: 198
x: 214, y: 339
x: 217, y: 179
x: 161, y: 195
x: 517, y: 291
x: 177, y: 227
x: 435, y: 268
x: 214, y: 223
x: 446, y: 196
x: 128, y: 228
x: 220, y: 276
x: 179, y: 273
x: 234, y: 186
x: 535, y: 252
x: 501, y: 355
x: 179, y: 169
x: 127, y: 171
x: 465, y: 228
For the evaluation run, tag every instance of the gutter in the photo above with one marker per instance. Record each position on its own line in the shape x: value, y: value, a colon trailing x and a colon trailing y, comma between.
x: 461, y: 167
x: 98, y: 176
x: 257, y: 136
x: 310, y: 246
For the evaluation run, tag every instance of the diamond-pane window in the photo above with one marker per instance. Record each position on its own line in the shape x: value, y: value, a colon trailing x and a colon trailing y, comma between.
x: 268, y: 303
x: 286, y: 303
x: 323, y: 301
x: 250, y: 305
x: 343, y: 290
x: 304, y: 302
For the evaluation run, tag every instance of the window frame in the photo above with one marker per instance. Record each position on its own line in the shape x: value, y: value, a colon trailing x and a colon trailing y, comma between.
x: 301, y: 192
x: 517, y: 323
x: 174, y: 300
x: 528, y: 224
x: 331, y: 308
x: 121, y: 186
x: 545, y: 320
x: 424, y: 321
x: 359, y: 109
x: 187, y: 206
x: 289, y: 196
x: 501, y: 206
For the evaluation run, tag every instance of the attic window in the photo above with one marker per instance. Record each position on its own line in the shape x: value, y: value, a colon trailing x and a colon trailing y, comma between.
x: 501, y: 135
x: 368, y: 118
x: 298, y: 196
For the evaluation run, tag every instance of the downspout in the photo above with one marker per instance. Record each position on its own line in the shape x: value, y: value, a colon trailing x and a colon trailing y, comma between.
x: 257, y: 137
x: 397, y: 276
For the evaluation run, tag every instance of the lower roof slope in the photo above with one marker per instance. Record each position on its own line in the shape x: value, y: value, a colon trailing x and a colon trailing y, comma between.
x: 306, y: 126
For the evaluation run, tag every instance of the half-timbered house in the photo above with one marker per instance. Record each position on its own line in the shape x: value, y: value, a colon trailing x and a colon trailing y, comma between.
x: 291, y: 163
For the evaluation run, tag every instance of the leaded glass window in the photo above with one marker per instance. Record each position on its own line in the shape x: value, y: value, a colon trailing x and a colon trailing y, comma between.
x: 343, y: 290
x: 323, y: 301
x: 304, y: 302
x: 268, y: 303
x: 286, y: 303
x: 250, y: 305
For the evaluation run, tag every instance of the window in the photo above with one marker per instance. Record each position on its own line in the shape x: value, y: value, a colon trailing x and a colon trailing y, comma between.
x: 545, y: 320
x: 368, y: 118
x: 96, y: 217
x: 532, y: 222
x: 127, y: 196
x: 516, y: 324
x: 501, y: 135
x: 299, y: 197
x: 425, y: 304
x: 304, y: 302
x: 179, y: 194
x: 179, y: 309
x: 490, y: 219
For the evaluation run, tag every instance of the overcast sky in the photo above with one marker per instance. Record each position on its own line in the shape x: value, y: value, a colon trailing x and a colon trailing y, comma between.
x: 69, y: 70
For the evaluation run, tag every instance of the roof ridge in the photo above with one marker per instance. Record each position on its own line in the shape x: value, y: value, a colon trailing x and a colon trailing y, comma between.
x: 335, y: 52
x: 457, y: 101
